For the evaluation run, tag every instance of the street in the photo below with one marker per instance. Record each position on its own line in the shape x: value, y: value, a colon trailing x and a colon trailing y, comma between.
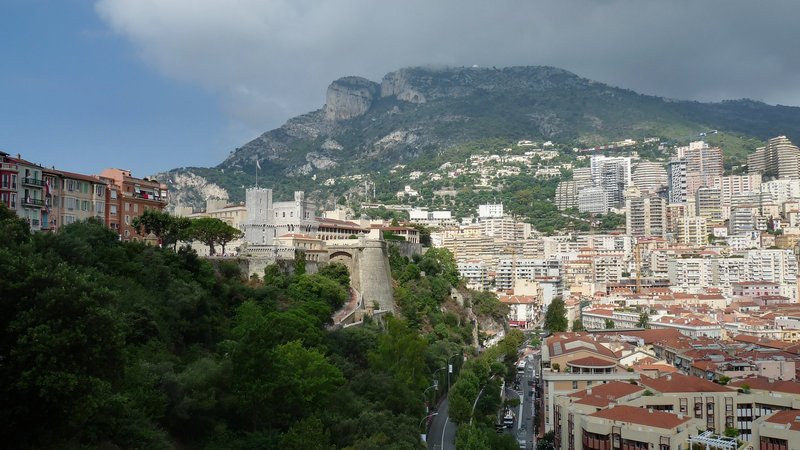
x: 442, y: 434
x: 523, y: 425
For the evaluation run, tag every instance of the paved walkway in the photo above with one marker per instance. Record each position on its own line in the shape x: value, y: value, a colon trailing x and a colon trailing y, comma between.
x: 348, y: 308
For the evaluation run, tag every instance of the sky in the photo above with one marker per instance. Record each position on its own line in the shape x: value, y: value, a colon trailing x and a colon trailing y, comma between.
x: 151, y: 85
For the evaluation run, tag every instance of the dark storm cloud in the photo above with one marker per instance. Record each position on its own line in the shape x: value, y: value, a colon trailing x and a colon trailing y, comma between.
x: 270, y: 60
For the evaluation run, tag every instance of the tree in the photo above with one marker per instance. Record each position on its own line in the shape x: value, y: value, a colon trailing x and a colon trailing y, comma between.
x: 577, y: 325
x: 401, y: 353
x: 609, y: 324
x: 555, y: 319
x: 227, y: 234
x: 211, y: 231
x: 644, y: 320
x: 152, y: 221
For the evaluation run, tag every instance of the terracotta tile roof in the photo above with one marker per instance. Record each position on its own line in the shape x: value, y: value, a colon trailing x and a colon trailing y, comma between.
x: 708, y: 366
x: 641, y: 416
x: 591, y: 361
x: 763, y: 384
x: 769, y: 343
x: 790, y: 416
x: 677, y: 382
x: 565, y: 343
x: 517, y: 299
x: 603, y: 394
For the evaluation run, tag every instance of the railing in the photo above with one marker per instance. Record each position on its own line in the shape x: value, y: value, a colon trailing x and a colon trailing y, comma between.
x: 8, y: 166
x: 32, y: 201
x: 33, y: 181
x: 155, y: 198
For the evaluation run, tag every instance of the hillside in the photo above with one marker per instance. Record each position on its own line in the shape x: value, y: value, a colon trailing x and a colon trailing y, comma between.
x: 419, y: 113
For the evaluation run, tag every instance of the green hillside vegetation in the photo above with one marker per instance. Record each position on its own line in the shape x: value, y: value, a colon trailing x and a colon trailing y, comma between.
x: 121, y: 345
x: 473, y: 110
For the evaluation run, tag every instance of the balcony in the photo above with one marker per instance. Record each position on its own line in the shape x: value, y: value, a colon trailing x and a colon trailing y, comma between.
x: 33, y: 181
x: 32, y: 202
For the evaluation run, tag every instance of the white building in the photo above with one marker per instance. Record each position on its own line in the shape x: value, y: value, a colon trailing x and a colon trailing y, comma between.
x: 593, y: 200
x: 490, y: 210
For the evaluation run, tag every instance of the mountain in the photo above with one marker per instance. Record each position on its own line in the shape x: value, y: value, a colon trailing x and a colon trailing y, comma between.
x: 413, y: 113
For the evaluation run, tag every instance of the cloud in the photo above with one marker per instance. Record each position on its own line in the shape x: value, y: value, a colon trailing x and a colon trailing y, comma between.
x: 269, y: 60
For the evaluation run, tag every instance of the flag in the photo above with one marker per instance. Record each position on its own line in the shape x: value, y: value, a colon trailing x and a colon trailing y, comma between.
x: 258, y: 165
x: 29, y: 198
x: 47, y: 187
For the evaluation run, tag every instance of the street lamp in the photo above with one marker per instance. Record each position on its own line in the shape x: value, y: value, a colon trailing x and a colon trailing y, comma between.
x: 435, y: 381
x: 450, y: 368
x: 425, y: 397
x: 424, y: 435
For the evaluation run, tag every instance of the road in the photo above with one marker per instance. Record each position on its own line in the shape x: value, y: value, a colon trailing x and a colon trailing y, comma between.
x: 442, y: 434
x: 523, y: 426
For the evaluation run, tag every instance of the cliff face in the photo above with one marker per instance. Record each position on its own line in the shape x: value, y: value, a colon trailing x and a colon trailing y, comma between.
x: 349, y: 97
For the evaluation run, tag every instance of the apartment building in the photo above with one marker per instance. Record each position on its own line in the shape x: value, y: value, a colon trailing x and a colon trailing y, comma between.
x: 573, y: 362
x: 476, y: 274
x: 566, y: 196
x: 709, y: 205
x: 78, y: 198
x: 780, y: 191
x: 676, y: 177
x: 646, y: 216
x: 779, y: 158
x: 648, y: 176
x: 731, y: 185
x: 692, y: 231
x: 128, y: 197
x: 9, y: 181
x: 593, y: 200
x: 29, y: 194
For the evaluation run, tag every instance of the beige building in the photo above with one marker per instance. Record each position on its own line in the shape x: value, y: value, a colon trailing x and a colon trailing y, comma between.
x: 779, y: 159
x: 572, y: 362
x: 646, y: 216
x: 692, y: 231
x: 777, y: 431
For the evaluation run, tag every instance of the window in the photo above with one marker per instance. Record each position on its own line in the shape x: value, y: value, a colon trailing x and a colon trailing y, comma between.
x: 5, y: 180
x: 86, y: 205
x: 13, y: 181
x: 55, y: 200
x: 127, y: 232
x: 113, y: 194
x: 113, y: 210
x: 100, y: 207
x: 13, y: 200
x: 127, y: 206
x: 135, y: 207
x: 70, y: 203
x: 99, y: 190
x: 574, y: 385
x: 4, y: 198
x: 127, y: 220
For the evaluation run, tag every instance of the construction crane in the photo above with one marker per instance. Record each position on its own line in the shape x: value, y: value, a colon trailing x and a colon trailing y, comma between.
x: 592, y: 223
x: 700, y: 135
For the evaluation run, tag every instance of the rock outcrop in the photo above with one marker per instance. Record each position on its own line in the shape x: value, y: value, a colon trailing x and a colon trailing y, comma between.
x: 349, y: 97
